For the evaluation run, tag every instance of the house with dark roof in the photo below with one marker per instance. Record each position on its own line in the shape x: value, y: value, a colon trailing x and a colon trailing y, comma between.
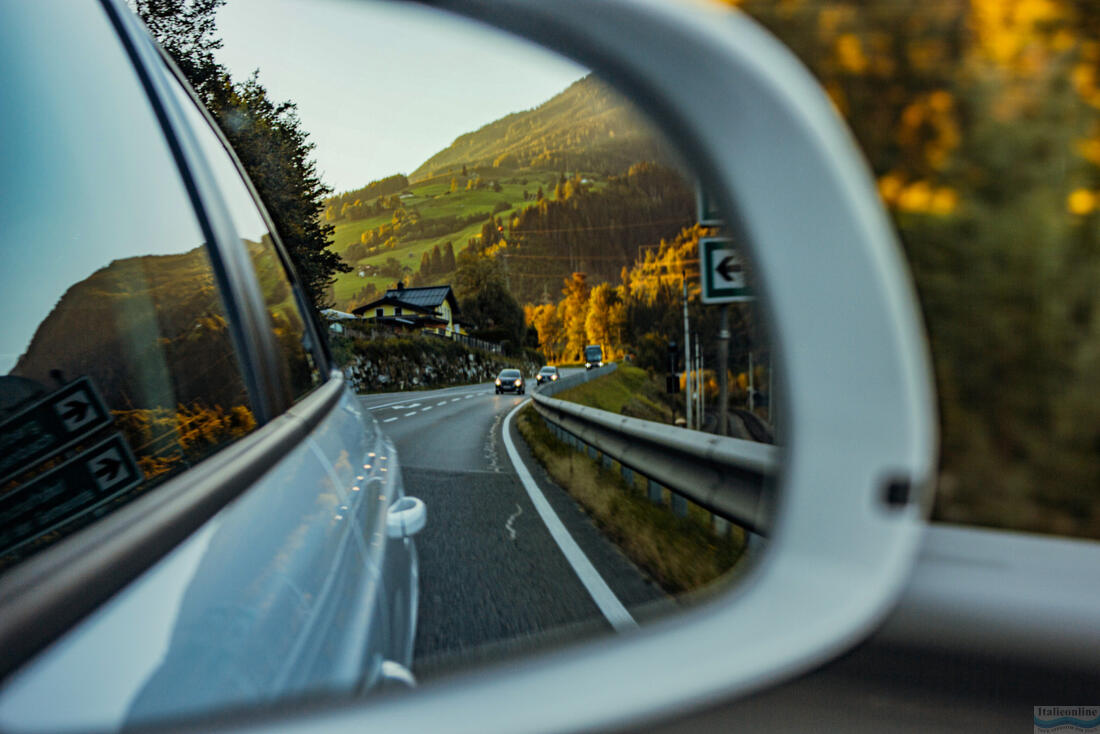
x: 431, y: 308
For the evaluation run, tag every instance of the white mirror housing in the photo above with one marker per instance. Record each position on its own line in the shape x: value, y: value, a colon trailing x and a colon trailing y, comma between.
x: 766, y: 142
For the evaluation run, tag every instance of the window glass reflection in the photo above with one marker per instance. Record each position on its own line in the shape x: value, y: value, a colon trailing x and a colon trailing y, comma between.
x: 118, y: 366
x: 297, y: 361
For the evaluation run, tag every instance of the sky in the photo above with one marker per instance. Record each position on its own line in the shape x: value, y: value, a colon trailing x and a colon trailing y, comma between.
x: 382, y: 86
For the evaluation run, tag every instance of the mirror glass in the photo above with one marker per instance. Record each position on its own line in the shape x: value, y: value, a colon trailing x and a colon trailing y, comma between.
x: 507, y: 227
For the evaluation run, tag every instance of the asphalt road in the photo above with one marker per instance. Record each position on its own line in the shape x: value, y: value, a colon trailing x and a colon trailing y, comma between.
x: 493, y: 580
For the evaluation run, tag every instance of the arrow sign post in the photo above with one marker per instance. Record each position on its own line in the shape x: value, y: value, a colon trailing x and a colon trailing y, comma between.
x: 724, y: 278
x: 67, y: 492
x: 51, y: 425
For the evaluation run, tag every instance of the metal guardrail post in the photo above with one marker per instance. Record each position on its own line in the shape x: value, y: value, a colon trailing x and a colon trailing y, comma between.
x: 731, y: 478
x: 679, y: 505
x: 654, y: 491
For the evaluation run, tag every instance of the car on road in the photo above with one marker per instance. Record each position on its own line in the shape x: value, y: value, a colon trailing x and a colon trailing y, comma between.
x: 192, y: 493
x: 593, y: 356
x: 510, y: 380
x: 549, y: 373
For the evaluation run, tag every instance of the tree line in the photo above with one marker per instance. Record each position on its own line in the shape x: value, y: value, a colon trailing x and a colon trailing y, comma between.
x: 981, y: 123
x: 266, y: 136
x: 370, y: 200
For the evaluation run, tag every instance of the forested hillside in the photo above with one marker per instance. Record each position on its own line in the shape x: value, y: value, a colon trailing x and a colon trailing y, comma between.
x: 588, y: 127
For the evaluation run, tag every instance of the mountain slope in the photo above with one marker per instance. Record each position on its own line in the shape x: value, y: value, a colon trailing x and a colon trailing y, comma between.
x: 586, y: 127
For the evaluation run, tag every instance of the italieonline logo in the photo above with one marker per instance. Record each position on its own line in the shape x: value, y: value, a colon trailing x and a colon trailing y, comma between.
x: 1067, y: 719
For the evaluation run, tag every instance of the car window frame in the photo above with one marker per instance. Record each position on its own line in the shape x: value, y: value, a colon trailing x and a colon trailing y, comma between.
x: 45, y: 596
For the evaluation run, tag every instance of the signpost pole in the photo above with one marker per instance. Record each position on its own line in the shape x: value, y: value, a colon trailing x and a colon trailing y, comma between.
x: 687, y: 356
x: 752, y: 401
x: 723, y: 366
x: 700, y: 385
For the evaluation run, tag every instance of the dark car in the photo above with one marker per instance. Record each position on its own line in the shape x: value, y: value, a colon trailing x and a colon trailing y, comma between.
x: 510, y: 381
x: 547, y: 374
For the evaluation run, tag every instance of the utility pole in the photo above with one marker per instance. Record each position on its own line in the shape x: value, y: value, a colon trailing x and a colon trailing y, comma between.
x: 687, y: 354
x: 723, y: 367
x: 752, y: 401
x: 700, y: 415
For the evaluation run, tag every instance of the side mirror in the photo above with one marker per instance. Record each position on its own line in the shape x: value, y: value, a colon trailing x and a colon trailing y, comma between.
x: 765, y: 141
x: 406, y: 518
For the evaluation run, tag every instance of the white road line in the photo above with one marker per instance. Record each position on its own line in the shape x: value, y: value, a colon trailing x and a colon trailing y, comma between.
x: 425, y: 410
x: 389, y: 420
x: 454, y: 400
x: 469, y: 396
x: 413, y: 405
x: 613, y: 609
x: 443, y: 403
x: 511, y: 519
x: 411, y: 412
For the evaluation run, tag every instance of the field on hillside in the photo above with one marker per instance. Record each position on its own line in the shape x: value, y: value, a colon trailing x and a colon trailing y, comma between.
x: 433, y: 199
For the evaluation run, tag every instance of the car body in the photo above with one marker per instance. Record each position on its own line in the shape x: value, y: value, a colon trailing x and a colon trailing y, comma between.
x: 593, y: 356
x: 510, y: 380
x: 229, y: 559
x: 549, y: 373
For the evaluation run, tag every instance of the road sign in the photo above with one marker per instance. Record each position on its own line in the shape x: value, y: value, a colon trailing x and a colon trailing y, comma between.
x: 52, y: 424
x: 66, y: 492
x: 706, y: 209
x: 723, y: 270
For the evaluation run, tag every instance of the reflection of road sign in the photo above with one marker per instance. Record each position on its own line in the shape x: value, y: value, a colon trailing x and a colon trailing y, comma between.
x: 706, y: 209
x: 724, y: 279
x: 52, y: 424
x: 67, y: 491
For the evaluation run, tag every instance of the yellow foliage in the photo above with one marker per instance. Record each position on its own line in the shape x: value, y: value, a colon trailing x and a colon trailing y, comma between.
x: 850, y: 55
x: 944, y: 201
x: 890, y: 186
x: 163, y: 439
x: 1081, y: 202
x: 917, y: 197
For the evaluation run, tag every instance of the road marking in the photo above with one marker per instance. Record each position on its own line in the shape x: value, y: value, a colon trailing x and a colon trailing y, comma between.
x: 454, y: 400
x: 443, y: 403
x: 425, y: 410
x: 412, y: 412
x: 508, y: 525
x: 389, y: 420
x: 413, y: 405
x: 613, y: 609
x: 470, y: 396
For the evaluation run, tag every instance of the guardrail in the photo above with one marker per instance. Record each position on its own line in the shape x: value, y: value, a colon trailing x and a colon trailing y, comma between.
x: 730, y: 477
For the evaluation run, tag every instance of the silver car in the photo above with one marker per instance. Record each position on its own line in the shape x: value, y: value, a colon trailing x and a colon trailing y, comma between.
x: 196, y: 511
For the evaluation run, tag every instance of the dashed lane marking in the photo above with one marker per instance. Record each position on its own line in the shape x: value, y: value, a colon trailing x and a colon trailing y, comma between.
x: 389, y: 420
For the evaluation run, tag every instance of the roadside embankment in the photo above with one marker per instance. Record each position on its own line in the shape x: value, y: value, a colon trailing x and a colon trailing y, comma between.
x: 681, y: 553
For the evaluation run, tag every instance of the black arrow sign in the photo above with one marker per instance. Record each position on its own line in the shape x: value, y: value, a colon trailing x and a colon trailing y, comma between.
x: 75, y: 410
x: 728, y: 267
x: 108, y: 468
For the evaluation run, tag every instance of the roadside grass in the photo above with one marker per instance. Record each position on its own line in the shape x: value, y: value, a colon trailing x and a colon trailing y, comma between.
x: 629, y: 390
x: 680, y: 553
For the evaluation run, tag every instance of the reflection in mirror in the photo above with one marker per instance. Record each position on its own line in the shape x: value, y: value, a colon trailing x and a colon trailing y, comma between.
x: 514, y: 226
x: 507, y: 226
x: 118, y: 368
